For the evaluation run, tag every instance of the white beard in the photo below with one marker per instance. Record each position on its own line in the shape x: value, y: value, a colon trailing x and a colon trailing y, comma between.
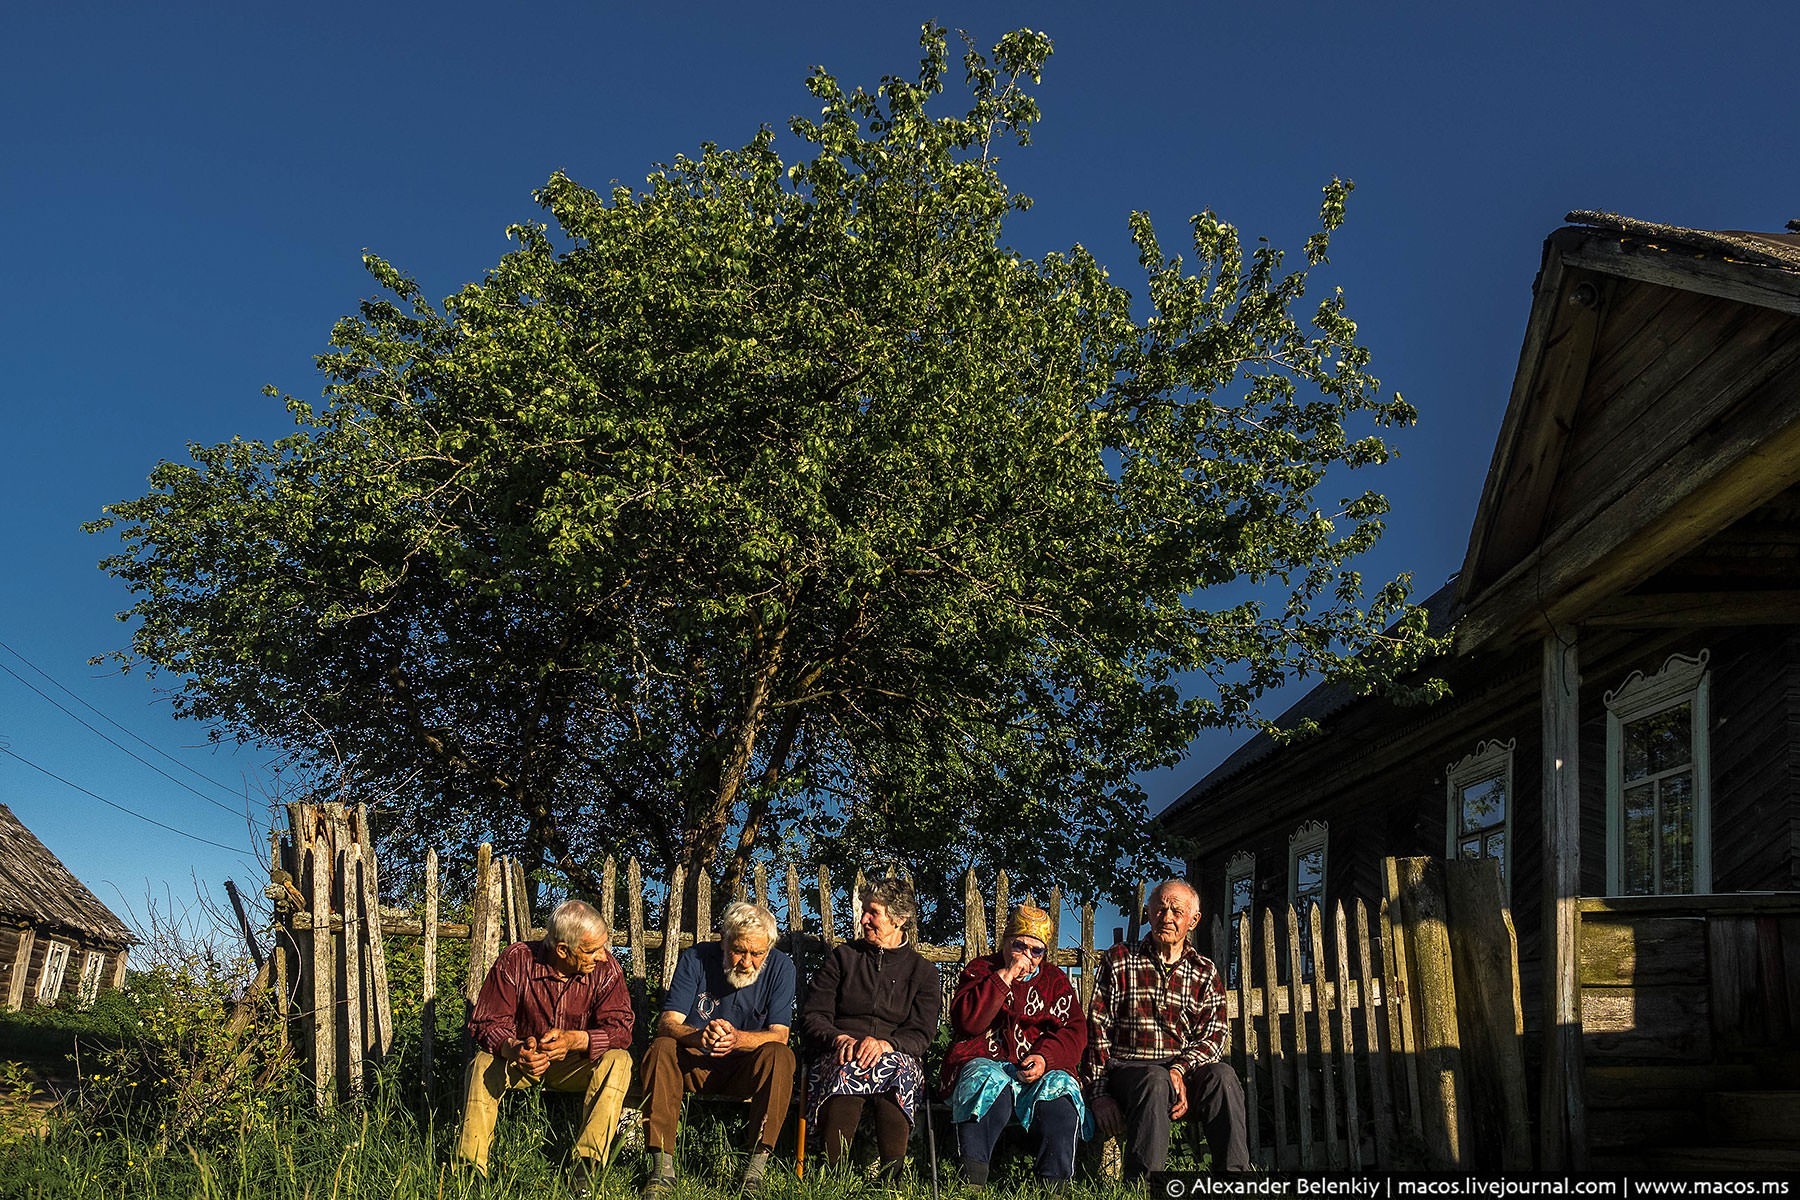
x: 742, y: 979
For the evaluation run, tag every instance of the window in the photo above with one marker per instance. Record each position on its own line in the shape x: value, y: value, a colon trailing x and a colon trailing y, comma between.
x: 1479, y: 792
x: 1240, y: 897
x: 1658, y: 790
x: 1306, y: 883
x: 56, y: 961
x: 91, y: 966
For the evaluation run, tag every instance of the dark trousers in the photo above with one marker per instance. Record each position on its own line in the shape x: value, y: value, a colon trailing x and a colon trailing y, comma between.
x: 839, y: 1116
x: 1215, y: 1099
x: 764, y: 1076
x: 1058, y: 1132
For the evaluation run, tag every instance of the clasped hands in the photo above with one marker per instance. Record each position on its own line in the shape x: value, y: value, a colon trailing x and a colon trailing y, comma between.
x: 535, y: 1054
x: 718, y: 1038
x: 864, y: 1052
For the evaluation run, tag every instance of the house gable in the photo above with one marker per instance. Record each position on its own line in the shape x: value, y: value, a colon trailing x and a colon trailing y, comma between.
x: 1653, y: 405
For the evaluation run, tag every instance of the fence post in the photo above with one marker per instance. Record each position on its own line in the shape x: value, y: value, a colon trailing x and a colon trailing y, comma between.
x: 1427, y: 942
x: 1090, y: 962
x: 1246, y: 1014
x: 428, y: 1006
x: 634, y: 910
x: 1347, y: 1040
x: 1302, y: 1060
x: 324, y: 974
x: 1277, y: 1055
x: 671, y: 948
x: 827, y: 928
x: 1486, y: 954
x: 609, y: 896
x: 974, y: 920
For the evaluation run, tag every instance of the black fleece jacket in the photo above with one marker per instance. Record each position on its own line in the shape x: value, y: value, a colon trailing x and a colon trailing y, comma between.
x: 865, y: 991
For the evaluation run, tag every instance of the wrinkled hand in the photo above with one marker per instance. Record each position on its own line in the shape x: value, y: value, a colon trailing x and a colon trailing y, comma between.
x: 719, y: 1037
x: 843, y: 1048
x: 1017, y: 966
x: 532, y: 1060
x: 1109, y: 1118
x: 869, y: 1050
x: 558, y: 1044
x: 1178, y: 1103
x: 1033, y: 1068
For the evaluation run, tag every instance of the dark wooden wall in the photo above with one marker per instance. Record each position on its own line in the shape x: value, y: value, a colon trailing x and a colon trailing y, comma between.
x: 1398, y: 806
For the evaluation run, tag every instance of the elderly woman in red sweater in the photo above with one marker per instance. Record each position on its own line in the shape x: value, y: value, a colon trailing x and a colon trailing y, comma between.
x: 1020, y: 1034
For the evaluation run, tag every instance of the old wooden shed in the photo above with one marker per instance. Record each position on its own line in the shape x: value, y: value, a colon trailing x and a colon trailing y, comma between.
x: 57, y: 941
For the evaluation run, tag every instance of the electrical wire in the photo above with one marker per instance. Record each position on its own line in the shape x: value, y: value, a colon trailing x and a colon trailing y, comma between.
x: 11, y: 753
x: 125, y: 750
x: 136, y: 737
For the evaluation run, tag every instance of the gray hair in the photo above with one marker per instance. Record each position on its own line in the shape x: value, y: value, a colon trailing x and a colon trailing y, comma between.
x: 741, y: 917
x: 574, y: 921
x: 1166, y: 884
x: 894, y: 894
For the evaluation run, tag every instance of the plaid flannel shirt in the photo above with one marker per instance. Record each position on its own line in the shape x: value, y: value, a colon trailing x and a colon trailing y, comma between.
x: 1145, y: 1010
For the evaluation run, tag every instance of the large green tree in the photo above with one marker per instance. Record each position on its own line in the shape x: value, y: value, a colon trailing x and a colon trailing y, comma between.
x: 784, y: 507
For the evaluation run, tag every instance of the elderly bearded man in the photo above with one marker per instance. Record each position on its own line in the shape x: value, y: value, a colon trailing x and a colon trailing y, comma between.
x: 555, y: 1012
x: 723, y: 1032
x: 1157, y: 1038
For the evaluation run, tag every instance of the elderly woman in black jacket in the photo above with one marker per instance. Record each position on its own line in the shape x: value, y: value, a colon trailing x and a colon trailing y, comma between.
x: 872, y: 1012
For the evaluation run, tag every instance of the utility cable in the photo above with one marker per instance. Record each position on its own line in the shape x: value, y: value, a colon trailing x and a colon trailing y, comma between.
x: 125, y: 750
x: 136, y: 737
x: 11, y: 753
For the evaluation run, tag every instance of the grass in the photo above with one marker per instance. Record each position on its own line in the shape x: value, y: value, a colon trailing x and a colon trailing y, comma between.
x: 393, y: 1146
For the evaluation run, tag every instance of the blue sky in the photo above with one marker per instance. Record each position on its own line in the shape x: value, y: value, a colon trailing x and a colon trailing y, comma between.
x: 186, y: 190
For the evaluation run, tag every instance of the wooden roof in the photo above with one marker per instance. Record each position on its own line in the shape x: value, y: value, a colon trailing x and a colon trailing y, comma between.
x: 1626, y: 315
x: 1657, y: 400
x: 37, y: 889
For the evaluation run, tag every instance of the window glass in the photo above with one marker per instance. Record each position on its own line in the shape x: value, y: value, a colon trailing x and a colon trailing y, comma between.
x: 1483, y: 804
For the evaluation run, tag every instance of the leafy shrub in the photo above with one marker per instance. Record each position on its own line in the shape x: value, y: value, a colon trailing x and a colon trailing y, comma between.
x: 199, y: 1058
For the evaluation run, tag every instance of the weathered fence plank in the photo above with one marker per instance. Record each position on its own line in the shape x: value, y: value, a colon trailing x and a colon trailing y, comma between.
x: 428, y: 953
x: 634, y: 910
x: 1277, y: 1056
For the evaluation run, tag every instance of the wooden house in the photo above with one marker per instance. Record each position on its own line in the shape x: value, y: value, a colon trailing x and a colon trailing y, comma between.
x: 57, y: 941
x: 1623, y: 727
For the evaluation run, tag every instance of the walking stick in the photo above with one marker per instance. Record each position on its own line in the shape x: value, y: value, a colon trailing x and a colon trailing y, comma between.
x: 930, y: 1141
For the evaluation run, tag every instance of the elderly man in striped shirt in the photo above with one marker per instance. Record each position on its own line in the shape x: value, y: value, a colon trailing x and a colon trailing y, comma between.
x: 1157, y: 1042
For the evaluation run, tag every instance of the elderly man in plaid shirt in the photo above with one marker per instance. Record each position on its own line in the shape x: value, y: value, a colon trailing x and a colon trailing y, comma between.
x: 1157, y: 1042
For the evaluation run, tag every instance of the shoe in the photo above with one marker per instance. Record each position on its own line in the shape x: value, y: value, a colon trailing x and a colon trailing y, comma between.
x: 756, y: 1175
x: 584, y: 1177
x: 661, y: 1183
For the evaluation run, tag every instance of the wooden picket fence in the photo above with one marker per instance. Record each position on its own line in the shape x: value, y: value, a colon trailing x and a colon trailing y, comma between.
x: 1325, y: 1027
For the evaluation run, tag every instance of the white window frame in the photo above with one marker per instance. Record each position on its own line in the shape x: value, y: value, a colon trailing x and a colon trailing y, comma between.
x: 1241, y: 865
x: 93, y: 965
x: 1309, y: 837
x: 1489, y: 760
x: 50, y: 975
x: 1682, y: 680
x: 1312, y: 835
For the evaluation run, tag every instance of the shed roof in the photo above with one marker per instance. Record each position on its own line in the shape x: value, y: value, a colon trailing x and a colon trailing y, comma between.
x: 36, y: 887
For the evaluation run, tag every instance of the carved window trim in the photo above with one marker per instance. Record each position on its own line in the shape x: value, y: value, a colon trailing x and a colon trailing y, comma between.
x: 1682, y: 679
x: 1491, y: 759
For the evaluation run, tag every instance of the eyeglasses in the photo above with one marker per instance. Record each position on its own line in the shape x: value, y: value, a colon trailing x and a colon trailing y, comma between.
x: 1023, y: 947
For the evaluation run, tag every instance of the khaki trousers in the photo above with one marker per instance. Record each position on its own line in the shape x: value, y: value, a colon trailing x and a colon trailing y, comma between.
x: 488, y: 1078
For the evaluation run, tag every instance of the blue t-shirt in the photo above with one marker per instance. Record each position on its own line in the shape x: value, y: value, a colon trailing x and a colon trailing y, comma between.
x: 701, y: 994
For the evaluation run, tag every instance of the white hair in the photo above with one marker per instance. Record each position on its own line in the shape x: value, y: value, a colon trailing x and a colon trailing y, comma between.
x: 574, y: 921
x: 741, y: 917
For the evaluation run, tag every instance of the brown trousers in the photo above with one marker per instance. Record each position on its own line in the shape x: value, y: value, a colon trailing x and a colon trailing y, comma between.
x: 764, y: 1076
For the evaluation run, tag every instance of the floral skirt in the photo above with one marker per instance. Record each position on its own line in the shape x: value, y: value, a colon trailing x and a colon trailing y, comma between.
x: 901, y: 1074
